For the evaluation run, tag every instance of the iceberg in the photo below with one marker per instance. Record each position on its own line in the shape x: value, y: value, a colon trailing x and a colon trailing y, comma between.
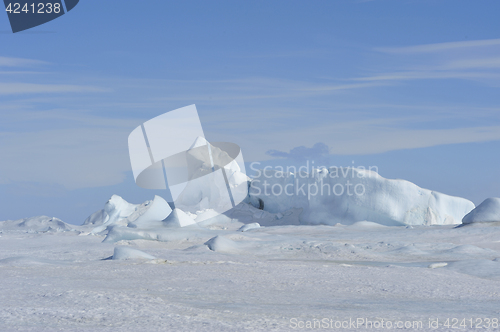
x: 326, y: 197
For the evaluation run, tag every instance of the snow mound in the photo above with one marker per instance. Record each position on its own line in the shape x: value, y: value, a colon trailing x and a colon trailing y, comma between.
x: 164, y: 234
x: 118, y: 233
x: 36, y: 224
x: 250, y: 226
x: 437, y: 265
x: 366, y: 224
x: 179, y: 218
x: 223, y: 245
x: 349, y: 195
x: 126, y: 253
x: 487, y: 211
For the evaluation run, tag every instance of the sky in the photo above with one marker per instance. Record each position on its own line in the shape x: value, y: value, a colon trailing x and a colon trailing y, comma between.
x: 408, y: 86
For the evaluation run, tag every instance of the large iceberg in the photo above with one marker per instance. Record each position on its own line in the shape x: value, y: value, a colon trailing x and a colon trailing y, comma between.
x: 349, y: 195
x: 291, y: 199
x: 325, y: 196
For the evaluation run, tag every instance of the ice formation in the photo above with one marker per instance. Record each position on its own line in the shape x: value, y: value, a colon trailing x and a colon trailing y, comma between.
x: 363, y: 199
x: 383, y: 202
x: 208, y: 179
x: 154, y: 214
x: 487, y: 211
x: 97, y: 218
x: 179, y: 218
x: 120, y: 212
x: 36, y: 224
x: 351, y: 195
x: 116, y: 209
x: 150, y: 215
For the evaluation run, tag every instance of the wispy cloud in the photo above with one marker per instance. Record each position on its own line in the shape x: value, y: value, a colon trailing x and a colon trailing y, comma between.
x: 30, y: 88
x: 378, y: 141
x: 439, y: 47
x: 355, y: 138
x: 478, y: 63
x: 428, y: 74
x: 75, y: 128
x: 19, y: 62
x: 20, y: 72
x: 242, y: 91
x: 317, y: 151
x: 475, y: 60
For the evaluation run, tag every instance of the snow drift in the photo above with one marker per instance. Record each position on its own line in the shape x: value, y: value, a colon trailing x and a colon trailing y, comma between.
x: 127, y: 253
x: 36, y: 224
x: 487, y: 211
x: 330, y: 196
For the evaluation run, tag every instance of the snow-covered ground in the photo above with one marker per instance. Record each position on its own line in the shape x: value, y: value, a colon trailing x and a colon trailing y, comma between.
x: 216, y: 277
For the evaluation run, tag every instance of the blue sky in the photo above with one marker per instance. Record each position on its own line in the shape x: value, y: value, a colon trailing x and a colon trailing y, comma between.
x: 409, y: 86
